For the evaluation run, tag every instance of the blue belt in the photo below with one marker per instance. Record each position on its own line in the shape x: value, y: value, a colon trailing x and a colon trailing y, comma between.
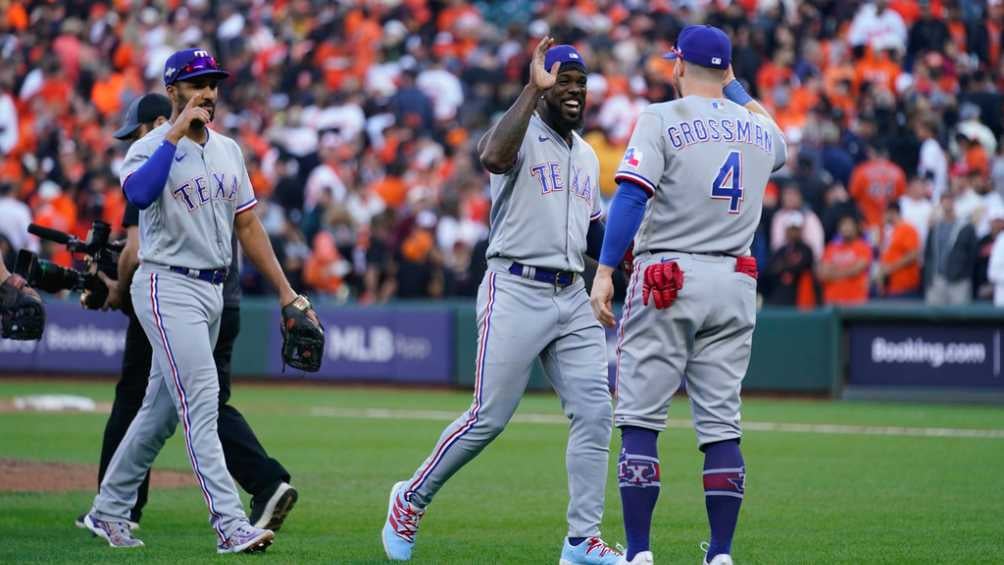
x: 549, y: 276
x: 214, y: 276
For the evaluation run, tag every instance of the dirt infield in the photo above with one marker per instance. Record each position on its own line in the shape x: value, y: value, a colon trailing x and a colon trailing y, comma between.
x: 17, y: 475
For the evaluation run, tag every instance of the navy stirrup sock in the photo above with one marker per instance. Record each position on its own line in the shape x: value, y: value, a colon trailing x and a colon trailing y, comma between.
x: 724, y: 485
x: 638, y: 478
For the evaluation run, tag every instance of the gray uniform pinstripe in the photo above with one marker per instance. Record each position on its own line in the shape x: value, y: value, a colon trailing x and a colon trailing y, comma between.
x: 541, y: 211
x: 190, y: 225
x: 705, y: 163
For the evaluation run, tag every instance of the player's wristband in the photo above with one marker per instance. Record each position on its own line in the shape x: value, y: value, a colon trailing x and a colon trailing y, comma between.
x: 735, y: 92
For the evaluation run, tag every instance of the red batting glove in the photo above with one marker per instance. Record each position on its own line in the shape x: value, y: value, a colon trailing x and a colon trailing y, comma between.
x: 662, y: 283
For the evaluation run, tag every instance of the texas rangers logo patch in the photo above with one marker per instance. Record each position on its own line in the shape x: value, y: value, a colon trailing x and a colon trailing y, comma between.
x: 633, y: 157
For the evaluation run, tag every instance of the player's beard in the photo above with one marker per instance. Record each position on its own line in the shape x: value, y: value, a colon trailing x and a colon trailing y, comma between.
x: 570, y: 123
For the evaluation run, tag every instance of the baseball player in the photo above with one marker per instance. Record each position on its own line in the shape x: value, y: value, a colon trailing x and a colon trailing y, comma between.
x: 532, y: 303
x: 690, y: 190
x: 193, y: 192
x: 264, y: 478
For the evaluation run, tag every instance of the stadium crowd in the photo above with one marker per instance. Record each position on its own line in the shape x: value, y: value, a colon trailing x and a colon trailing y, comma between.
x: 358, y: 120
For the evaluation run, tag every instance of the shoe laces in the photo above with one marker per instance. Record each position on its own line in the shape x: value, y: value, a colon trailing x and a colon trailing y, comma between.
x: 603, y: 547
x: 404, y: 519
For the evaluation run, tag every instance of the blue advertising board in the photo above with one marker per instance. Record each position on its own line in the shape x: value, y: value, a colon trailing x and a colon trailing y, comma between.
x: 954, y: 355
x: 75, y: 341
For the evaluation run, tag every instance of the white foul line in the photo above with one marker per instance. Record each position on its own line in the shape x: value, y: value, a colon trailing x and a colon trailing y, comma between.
x: 555, y: 419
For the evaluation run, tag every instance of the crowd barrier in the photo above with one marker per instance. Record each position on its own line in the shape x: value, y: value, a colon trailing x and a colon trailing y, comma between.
x: 871, y: 351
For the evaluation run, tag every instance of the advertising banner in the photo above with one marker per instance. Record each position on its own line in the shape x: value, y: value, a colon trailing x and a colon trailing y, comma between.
x: 925, y: 355
x: 410, y: 345
x: 75, y: 341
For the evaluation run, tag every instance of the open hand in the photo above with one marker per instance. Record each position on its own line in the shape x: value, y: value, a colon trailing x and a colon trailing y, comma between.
x: 541, y: 77
x: 602, y: 297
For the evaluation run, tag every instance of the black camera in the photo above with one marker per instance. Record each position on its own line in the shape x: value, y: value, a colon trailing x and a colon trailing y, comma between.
x: 50, y: 277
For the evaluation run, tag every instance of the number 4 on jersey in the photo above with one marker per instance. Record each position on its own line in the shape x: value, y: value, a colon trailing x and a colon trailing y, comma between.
x: 728, y: 184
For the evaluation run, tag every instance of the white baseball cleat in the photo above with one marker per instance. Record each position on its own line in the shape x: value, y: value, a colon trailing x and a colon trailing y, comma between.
x: 247, y: 539
x: 640, y: 558
x: 116, y: 532
x: 720, y: 559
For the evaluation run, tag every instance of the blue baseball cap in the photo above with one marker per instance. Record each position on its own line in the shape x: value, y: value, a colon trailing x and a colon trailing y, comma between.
x: 703, y: 45
x: 564, y: 54
x: 191, y: 63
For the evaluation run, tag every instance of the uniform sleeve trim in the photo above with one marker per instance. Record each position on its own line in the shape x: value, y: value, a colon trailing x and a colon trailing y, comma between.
x: 637, y: 179
x: 596, y: 216
x: 247, y: 206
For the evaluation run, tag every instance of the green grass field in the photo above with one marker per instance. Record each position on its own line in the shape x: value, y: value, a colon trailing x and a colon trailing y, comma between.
x: 812, y: 497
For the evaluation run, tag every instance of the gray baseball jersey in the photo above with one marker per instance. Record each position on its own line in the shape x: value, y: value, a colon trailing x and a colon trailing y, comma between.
x: 706, y: 162
x: 541, y: 211
x: 190, y: 225
x: 542, y: 207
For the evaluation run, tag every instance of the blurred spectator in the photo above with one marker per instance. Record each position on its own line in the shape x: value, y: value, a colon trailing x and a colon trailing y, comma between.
x: 843, y: 271
x: 792, y: 207
x: 789, y: 265
x: 975, y: 201
x: 928, y: 33
x: 997, y: 170
x: 949, y: 258
x: 836, y: 159
x: 983, y: 288
x: 419, y: 264
x: 916, y: 208
x: 8, y: 121
x: 838, y: 206
x: 971, y: 129
x: 995, y: 264
x: 15, y: 216
x: 874, y: 184
x: 933, y: 163
x: 812, y: 183
x: 899, y: 264
x: 876, y: 26
x: 324, y: 178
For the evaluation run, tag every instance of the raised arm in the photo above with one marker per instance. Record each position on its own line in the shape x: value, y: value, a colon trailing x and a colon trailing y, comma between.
x: 499, y: 147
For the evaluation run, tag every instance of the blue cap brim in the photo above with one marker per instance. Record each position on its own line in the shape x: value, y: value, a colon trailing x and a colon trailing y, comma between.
x: 672, y: 56
x: 125, y: 132
x: 218, y: 72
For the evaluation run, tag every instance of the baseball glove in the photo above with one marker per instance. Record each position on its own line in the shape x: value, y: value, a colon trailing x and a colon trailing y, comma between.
x: 21, y: 313
x: 302, y: 337
x: 663, y: 282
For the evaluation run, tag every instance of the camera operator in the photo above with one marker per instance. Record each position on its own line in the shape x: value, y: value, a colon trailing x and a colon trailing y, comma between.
x: 262, y: 477
x: 22, y: 315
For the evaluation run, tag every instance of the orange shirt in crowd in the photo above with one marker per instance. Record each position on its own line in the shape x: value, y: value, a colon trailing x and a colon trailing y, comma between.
x: 319, y: 271
x: 903, y: 240
x: 878, y: 70
x: 976, y: 159
x: 392, y: 190
x: 874, y: 184
x: 847, y: 290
